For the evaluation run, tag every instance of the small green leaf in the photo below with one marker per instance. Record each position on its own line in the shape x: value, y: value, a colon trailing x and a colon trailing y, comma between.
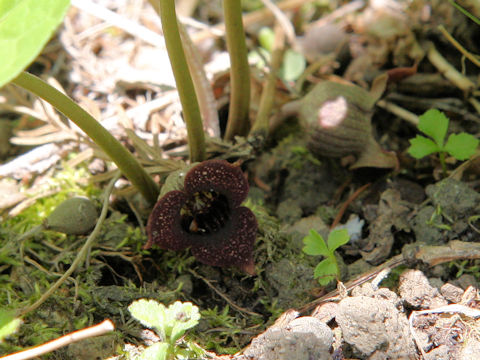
x: 8, y: 323
x: 25, y: 28
x: 337, y: 238
x: 461, y: 146
x: 157, y: 351
x: 150, y: 313
x: 293, y: 65
x: 421, y: 147
x: 315, y: 245
x: 266, y: 37
x: 325, y: 271
x: 434, y: 123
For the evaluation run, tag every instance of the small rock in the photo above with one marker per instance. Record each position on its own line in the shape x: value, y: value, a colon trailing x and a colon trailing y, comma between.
x: 375, y: 328
x: 325, y: 312
x: 436, y: 282
x: 451, y: 292
x: 455, y: 198
x: 367, y: 289
x: 303, y: 338
x: 466, y: 280
x: 469, y: 296
x: 416, y: 291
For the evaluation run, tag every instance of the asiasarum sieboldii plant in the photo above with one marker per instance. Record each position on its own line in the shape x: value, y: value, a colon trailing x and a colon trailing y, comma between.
x: 15, y: 43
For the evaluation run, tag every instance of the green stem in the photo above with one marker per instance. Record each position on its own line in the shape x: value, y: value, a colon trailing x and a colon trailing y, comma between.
x: 443, y: 163
x: 203, y: 89
x: 238, y: 121
x: 186, y: 91
x: 333, y: 258
x: 267, y: 99
x: 117, y: 152
x: 465, y: 12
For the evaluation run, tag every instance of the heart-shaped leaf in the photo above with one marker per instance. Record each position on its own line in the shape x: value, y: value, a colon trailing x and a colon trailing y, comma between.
x: 25, y: 28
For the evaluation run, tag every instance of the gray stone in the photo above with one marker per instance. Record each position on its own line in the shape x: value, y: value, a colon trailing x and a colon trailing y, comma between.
x: 375, y: 328
x: 303, y: 338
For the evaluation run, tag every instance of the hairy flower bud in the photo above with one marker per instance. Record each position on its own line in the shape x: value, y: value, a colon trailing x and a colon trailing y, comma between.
x: 337, y: 120
x: 74, y: 216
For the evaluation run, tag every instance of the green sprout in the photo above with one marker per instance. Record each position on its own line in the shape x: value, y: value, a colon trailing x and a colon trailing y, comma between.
x: 434, y: 124
x: 170, y: 324
x: 293, y: 62
x: 327, y: 269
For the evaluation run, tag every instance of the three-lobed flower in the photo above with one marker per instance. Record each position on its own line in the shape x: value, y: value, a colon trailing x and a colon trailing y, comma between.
x: 207, y: 216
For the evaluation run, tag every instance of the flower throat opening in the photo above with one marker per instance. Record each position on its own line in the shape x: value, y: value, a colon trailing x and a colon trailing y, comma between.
x: 204, y: 213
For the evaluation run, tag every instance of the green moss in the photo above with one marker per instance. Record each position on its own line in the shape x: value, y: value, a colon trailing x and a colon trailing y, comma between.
x: 65, y: 184
x: 45, y: 255
x: 221, y: 329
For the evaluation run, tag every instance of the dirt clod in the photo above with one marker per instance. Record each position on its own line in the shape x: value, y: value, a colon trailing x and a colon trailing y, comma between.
x: 417, y: 292
x: 303, y: 338
x: 375, y: 328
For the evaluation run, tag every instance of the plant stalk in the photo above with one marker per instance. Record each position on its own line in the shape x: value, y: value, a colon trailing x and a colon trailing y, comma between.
x: 203, y: 89
x: 267, y: 99
x: 238, y: 119
x: 186, y: 90
x: 125, y: 161
x: 443, y: 163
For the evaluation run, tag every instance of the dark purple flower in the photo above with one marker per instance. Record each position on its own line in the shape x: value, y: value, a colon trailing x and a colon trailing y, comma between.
x: 207, y: 217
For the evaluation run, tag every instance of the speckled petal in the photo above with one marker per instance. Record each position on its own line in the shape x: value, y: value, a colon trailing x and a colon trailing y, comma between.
x: 163, y: 227
x: 236, y: 249
x: 219, y: 176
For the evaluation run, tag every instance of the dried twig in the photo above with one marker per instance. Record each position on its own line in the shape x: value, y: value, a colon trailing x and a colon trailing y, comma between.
x: 126, y: 25
x: 398, y: 111
x: 104, y: 327
x: 447, y: 70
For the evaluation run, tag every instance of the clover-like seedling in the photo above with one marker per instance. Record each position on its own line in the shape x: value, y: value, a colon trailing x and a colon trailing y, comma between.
x: 170, y: 324
x: 434, y: 124
x: 327, y: 269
